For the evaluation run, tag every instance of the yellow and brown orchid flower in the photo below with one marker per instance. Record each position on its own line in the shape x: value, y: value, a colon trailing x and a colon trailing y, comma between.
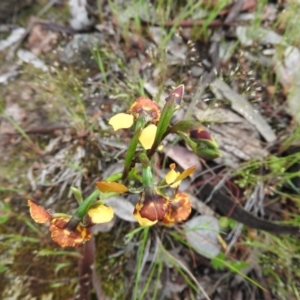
x: 154, y: 206
x: 151, y: 208
x: 144, y: 108
x: 60, y: 232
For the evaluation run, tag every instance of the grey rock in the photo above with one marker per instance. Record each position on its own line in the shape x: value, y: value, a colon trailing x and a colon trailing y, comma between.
x: 79, y: 49
x: 197, y: 71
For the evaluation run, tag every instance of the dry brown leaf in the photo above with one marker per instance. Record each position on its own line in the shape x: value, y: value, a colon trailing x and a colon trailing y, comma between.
x: 244, y: 108
x: 237, y: 138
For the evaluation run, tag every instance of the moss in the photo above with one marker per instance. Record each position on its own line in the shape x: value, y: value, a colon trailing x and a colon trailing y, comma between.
x: 112, y: 271
x: 37, y: 274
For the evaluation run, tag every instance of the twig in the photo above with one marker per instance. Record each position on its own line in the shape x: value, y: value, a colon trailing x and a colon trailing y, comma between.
x: 56, y: 27
x: 224, y: 204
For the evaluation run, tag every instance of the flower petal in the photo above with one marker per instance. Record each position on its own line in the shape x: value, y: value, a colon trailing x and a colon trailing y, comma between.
x: 185, y: 173
x: 147, y: 136
x: 121, y: 120
x: 110, y: 187
x: 38, y: 213
x: 201, y: 133
x: 171, y: 176
x: 176, y: 96
x: 142, y: 221
x: 101, y: 214
x: 66, y: 237
x: 179, y: 209
x: 153, y: 206
x: 147, y: 107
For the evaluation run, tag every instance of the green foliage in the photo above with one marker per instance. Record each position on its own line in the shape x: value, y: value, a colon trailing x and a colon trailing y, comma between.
x: 280, y: 260
x: 4, y: 212
x: 140, y: 256
x: 221, y: 262
x: 225, y: 223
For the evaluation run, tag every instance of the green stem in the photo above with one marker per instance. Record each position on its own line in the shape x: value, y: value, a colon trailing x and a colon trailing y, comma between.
x: 140, y: 124
x: 147, y: 177
x: 141, y: 254
x: 87, y: 203
x: 148, y: 181
x: 114, y: 177
x: 192, y: 144
x: 144, y: 160
x: 162, y: 125
x: 82, y: 210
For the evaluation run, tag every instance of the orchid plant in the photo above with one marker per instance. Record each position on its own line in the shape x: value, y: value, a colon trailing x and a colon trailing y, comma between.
x: 150, y: 127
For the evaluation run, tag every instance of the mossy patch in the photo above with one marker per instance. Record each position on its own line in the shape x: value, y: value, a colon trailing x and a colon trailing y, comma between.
x: 110, y: 267
x: 30, y: 258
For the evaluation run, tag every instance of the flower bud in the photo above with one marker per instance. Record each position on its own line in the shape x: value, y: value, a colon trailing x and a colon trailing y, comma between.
x: 206, y: 147
x: 176, y: 96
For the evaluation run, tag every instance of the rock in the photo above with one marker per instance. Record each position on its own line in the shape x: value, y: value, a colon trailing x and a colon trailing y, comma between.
x: 196, y: 71
x: 79, y: 49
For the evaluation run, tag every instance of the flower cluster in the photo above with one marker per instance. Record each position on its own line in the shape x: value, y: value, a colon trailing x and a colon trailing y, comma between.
x: 150, y: 126
x: 153, y: 205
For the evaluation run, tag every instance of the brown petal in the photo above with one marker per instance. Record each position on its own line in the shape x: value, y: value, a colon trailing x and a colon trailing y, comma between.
x: 176, y: 95
x: 179, y: 210
x: 200, y: 134
x: 154, y: 207
x: 66, y: 237
x: 147, y: 107
x: 38, y: 213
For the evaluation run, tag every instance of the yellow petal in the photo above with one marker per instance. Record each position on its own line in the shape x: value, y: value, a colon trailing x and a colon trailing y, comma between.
x: 147, y: 136
x: 185, y: 174
x: 171, y: 176
x: 101, y: 214
x: 110, y: 187
x: 120, y: 121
